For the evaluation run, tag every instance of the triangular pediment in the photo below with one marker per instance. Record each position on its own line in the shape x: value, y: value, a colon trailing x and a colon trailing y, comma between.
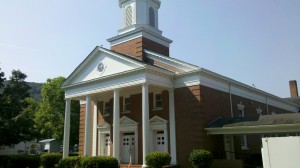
x: 104, y: 125
x: 101, y: 63
x: 157, y: 120
x: 125, y: 121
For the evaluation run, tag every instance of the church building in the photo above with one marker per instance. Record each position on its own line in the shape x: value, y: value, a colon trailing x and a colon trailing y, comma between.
x: 136, y: 98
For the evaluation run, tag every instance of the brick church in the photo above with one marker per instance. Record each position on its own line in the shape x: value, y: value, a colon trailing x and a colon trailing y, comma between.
x: 135, y: 99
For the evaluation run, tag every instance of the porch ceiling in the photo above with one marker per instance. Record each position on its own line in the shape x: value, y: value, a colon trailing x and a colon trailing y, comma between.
x: 280, y: 123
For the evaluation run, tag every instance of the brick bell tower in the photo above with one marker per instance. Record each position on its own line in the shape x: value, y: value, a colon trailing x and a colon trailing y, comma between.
x: 139, y: 29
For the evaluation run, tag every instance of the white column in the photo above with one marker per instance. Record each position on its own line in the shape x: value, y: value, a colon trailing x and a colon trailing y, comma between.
x: 145, y: 118
x: 172, y: 127
x: 116, y: 126
x: 87, y: 137
x: 67, y: 128
x: 95, y: 120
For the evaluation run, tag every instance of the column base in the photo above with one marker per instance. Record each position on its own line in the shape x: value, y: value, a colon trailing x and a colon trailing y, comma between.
x: 144, y: 166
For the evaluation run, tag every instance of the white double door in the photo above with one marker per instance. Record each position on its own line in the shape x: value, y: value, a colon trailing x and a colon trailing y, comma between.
x: 159, y: 141
x: 128, y: 148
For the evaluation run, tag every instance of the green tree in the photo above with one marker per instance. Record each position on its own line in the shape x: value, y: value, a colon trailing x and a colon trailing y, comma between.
x: 49, y: 118
x: 15, y: 124
x: 2, y: 80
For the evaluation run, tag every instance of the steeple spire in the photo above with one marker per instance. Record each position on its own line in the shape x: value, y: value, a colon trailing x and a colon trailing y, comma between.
x: 139, y: 29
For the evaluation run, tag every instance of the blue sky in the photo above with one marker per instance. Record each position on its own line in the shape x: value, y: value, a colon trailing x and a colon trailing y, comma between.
x: 252, y: 41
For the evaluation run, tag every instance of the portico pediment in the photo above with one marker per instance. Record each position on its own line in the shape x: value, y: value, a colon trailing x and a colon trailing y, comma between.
x: 104, y: 125
x: 157, y: 120
x: 101, y: 63
x: 125, y: 121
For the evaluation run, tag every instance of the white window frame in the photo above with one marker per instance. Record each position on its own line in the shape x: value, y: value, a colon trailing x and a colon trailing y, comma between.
x: 244, y: 141
x: 259, y: 111
x: 104, y: 108
x: 241, y: 111
x: 124, y: 104
x: 154, y: 101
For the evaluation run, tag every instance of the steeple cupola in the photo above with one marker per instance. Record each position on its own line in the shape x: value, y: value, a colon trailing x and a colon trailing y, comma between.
x: 139, y: 13
x: 140, y: 29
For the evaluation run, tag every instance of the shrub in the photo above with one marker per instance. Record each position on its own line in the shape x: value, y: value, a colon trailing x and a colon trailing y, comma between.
x: 48, y: 160
x: 74, y: 154
x: 21, y: 161
x: 69, y: 162
x: 158, y: 159
x: 99, y: 161
x: 200, y: 158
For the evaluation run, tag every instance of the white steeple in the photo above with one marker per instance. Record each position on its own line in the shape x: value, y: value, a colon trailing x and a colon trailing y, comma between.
x: 139, y: 13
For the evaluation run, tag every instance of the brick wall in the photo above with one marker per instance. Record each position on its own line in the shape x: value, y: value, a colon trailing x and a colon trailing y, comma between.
x: 136, y: 46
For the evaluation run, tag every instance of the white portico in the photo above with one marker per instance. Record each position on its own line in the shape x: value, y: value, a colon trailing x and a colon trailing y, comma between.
x: 103, y: 75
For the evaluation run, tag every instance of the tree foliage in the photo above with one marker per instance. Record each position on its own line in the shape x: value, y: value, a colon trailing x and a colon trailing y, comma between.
x: 49, y: 118
x: 15, y: 122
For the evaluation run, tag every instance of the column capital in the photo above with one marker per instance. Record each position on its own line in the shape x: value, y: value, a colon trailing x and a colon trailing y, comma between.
x: 170, y: 89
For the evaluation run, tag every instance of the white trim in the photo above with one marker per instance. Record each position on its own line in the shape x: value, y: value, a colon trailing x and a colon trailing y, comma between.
x: 145, y: 121
x: 215, y: 81
x: 130, y: 126
x: 87, y: 141
x: 125, y: 96
x: 155, y: 108
x: 136, y: 31
x: 95, y: 120
x: 103, y: 129
x: 172, y: 125
x: 158, y: 124
x: 260, y: 129
x: 67, y: 129
x: 116, y: 127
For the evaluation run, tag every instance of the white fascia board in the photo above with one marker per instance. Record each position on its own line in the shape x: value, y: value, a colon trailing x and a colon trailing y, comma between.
x: 94, y: 53
x: 187, y: 80
x: 105, y: 85
x: 221, y: 83
x: 260, y: 129
x: 80, y: 66
x: 151, y: 75
x: 139, y: 32
x: 171, y: 61
x: 154, y: 79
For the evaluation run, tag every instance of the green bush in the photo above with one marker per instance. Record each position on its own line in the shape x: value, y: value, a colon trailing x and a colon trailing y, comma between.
x: 20, y: 161
x: 200, y: 158
x: 69, y: 162
x: 158, y: 159
x: 49, y: 160
x: 99, y: 161
x: 74, y: 154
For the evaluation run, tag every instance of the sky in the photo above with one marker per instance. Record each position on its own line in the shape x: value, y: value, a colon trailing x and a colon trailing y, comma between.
x: 251, y: 41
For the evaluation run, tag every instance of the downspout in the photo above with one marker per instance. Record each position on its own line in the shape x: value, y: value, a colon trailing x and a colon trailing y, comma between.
x: 231, y: 111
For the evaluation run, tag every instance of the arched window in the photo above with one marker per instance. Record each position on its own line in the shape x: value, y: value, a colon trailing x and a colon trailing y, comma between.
x: 129, y: 16
x: 151, y: 17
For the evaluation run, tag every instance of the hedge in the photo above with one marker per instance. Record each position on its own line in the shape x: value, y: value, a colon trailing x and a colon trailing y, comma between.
x: 20, y: 161
x: 158, y: 159
x: 200, y: 158
x: 69, y: 162
x: 89, y: 162
x: 49, y: 160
